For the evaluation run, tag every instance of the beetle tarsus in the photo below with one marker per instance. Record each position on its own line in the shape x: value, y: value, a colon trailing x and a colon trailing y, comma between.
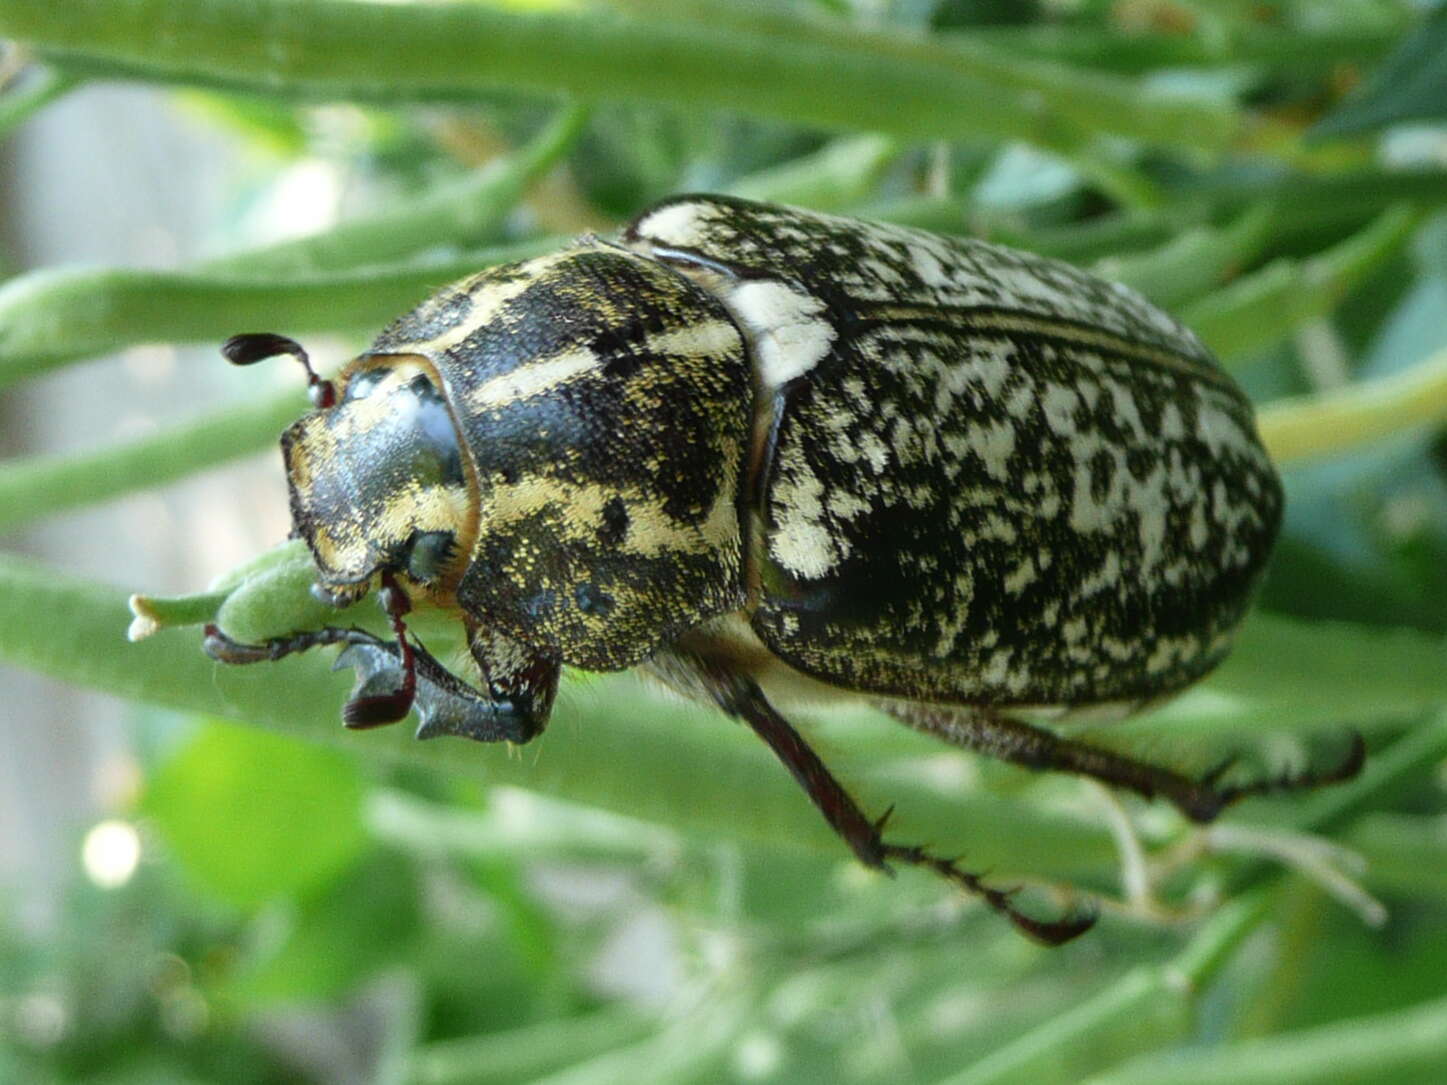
x: 1051, y: 932
x: 224, y: 649
x: 741, y: 697
x: 1020, y: 743
x: 1212, y: 798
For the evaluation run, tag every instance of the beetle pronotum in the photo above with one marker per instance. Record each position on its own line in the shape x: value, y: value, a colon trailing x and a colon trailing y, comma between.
x: 772, y: 456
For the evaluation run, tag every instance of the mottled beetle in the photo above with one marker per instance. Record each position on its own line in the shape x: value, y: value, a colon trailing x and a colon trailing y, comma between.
x: 770, y: 455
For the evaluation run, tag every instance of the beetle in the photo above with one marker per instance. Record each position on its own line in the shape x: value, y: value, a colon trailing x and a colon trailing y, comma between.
x: 769, y: 457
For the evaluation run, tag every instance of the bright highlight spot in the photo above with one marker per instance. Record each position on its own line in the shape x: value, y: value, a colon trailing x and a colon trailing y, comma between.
x: 110, y: 853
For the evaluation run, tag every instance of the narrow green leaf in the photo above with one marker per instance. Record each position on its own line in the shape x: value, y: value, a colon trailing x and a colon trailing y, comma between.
x: 41, y: 486
x: 1193, y: 263
x: 1149, y: 1003
x: 1410, y: 84
x: 462, y: 215
x: 1409, y: 1045
x: 837, y: 176
x: 526, y: 1053
x: 1337, y: 420
x: 18, y: 106
x: 1287, y: 674
x: 332, y: 49
x: 611, y: 744
x: 51, y: 317
x: 1267, y: 305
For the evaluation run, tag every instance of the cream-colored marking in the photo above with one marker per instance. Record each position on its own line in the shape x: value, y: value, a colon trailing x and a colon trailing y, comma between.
x: 975, y: 321
x: 705, y: 338
x: 875, y: 451
x: 533, y: 379
x: 994, y: 444
x: 679, y: 224
x: 801, y: 541
x: 1106, y: 575
x: 790, y: 333
x: 1172, y: 428
x: 998, y: 667
x: 1023, y: 576
x: 1125, y: 409
x: 1058, y: 405
x: 847, y: 506
x: 1219, y: 431
x: 991, y: 361
x: 1199, y: 531
x: 422, y: 508
x: 928, y: 266
x: 1151, y: 505
x: 488, y: 299
x: 651, y: 531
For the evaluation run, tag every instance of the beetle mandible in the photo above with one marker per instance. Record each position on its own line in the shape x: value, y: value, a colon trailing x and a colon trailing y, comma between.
x: 771, y: 456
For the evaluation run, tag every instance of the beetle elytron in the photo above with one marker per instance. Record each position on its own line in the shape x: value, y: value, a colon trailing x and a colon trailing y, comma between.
x: 775, y: 456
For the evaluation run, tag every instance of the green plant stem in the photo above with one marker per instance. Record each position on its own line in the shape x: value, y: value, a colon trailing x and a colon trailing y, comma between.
x: 616, y: 748
x: 462, y: 215
x: 18, y: 106
x: 334, y: 49
x: 41, y: 486
x: 525, y: 1053
x: 1337, y: 420
x: 549, y: 829
x: 1409, y: 1045
x: 1295, y: 49
x: 1154, y: 992
x: 50, y: 318
x: 1157, y: 992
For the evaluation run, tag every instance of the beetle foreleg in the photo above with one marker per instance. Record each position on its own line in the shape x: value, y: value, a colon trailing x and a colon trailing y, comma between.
x: 376, y: 709
x: 223, y: 649
x: 1034, y: 747
x: 445, y: 704
x: 740, y: 696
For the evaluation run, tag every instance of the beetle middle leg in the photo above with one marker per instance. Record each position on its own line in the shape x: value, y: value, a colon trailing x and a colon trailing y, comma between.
x: 740, y: 696
x: 1200, y: 799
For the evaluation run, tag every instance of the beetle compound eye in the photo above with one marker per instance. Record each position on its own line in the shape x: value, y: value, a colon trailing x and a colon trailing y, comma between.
x: 428, y: 554
x: 252, y: 347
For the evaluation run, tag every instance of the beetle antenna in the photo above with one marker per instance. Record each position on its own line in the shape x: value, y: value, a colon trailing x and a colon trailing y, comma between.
x: 364, y: 712
x: 252, y: 347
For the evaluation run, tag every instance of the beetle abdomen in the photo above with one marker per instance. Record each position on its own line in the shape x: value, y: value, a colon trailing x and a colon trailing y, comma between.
x: 992, y: 478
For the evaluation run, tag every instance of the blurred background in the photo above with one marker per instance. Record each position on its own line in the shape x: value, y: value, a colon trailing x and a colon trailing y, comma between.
x: 203, y: 879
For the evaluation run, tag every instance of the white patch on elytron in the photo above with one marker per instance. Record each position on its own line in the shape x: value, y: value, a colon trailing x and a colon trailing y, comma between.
x: 789, y: 328
x: 679, y: 224
x: 802, y: 540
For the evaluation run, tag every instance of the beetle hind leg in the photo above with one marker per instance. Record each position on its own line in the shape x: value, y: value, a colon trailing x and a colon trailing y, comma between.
x: 1200, y: 799
x: 739, y: 696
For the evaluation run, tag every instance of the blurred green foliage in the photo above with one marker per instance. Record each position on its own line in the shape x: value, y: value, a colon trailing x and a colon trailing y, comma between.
x: 643, y: 896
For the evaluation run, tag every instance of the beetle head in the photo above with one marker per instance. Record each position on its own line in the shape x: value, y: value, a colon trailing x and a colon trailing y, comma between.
x: 378, y: 481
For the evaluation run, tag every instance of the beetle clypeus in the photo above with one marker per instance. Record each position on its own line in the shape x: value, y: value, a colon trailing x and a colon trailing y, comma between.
x: 772, y: 456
